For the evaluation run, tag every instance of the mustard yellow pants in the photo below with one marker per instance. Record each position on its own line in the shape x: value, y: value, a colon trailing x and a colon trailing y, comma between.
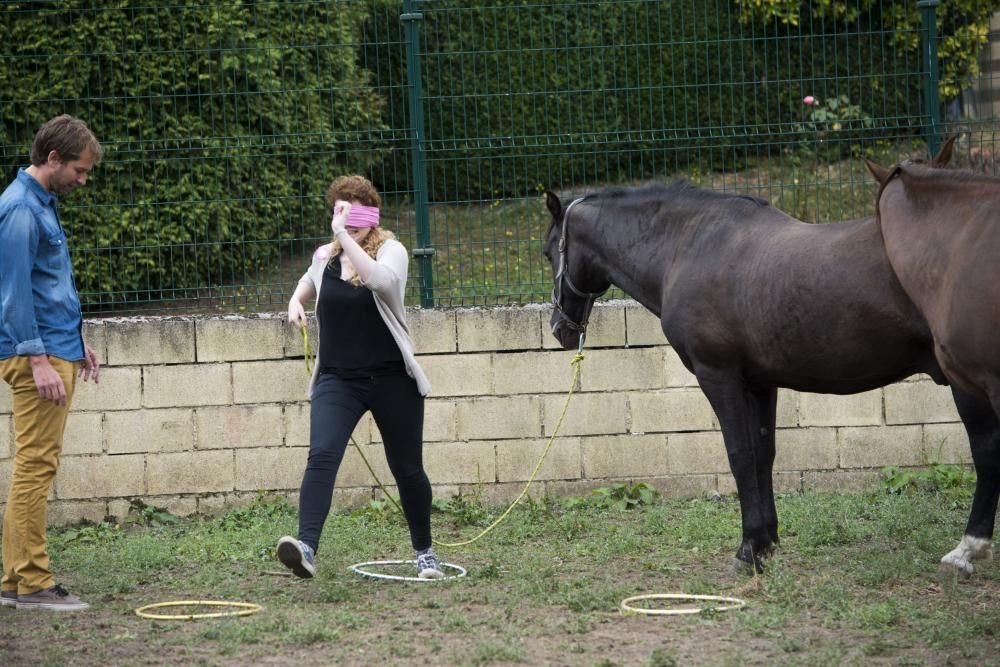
x: 38, y: 435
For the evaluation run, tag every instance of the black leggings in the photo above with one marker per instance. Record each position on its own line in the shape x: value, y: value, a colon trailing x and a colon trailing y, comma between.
x: 398, y: 409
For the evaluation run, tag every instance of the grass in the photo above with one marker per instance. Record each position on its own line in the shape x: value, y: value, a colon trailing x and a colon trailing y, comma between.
x: 853, y: 583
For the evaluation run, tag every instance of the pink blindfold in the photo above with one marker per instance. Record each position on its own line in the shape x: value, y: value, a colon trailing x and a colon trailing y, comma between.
x: 362, y: 216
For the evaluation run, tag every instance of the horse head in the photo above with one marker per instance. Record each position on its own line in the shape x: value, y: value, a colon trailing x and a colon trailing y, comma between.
x: 883, y: 175
x: 576, y: 281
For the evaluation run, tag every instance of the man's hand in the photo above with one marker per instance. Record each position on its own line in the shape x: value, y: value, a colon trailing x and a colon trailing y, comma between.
x: 91, y: 366
x: 49, y: 383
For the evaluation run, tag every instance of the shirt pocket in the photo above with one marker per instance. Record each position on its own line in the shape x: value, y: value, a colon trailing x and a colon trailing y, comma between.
x: 55, y: 251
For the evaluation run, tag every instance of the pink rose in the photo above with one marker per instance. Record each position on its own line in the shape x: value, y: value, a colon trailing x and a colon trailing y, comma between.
x: 809, y: 100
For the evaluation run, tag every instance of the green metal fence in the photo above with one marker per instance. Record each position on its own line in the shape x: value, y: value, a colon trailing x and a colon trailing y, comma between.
x: 224, y: 121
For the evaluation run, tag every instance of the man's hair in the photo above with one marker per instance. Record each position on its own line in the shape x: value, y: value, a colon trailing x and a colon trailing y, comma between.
x: 353, y: 188
x: 68, y: 136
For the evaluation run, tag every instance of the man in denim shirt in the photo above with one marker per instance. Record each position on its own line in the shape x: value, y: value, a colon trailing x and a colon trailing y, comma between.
x: 41, y: 349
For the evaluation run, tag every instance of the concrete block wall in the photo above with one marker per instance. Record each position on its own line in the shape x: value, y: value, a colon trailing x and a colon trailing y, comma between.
x: 197, y: 414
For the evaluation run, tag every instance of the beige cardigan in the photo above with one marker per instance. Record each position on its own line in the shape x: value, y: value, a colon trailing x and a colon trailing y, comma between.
x: 388, y: 284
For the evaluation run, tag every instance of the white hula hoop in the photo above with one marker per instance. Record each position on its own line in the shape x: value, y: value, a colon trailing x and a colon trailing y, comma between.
x: 360, y: 569
x: 731, y: 604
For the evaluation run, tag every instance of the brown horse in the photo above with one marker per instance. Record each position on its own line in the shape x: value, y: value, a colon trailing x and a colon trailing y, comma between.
x: 751, y: 300
x: 941, y: 230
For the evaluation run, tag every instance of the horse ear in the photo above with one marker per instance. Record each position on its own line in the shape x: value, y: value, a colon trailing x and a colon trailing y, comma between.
x: 944, y: 155
x: 880, y: 173
x: 553, y: 204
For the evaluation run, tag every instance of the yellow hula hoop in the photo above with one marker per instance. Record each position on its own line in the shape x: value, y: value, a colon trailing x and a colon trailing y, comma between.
x: 730, y: 604
x: 239, y: 609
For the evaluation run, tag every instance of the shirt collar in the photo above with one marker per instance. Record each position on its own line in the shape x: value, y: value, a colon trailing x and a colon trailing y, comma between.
x: 29, y: 182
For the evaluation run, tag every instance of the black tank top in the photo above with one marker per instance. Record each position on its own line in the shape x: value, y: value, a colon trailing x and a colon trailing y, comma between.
x: 354, y: 340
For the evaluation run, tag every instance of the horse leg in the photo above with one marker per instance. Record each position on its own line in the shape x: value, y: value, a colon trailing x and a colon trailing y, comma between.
x: 766, y: 402
x: 739, y: 412
x: 983, y: 429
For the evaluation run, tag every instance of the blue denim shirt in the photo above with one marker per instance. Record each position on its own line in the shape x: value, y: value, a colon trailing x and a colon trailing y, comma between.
x: 39, y: 306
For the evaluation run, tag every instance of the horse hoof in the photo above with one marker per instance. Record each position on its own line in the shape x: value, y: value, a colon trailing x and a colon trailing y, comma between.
x: 949, y: 572
x: 742, y: 568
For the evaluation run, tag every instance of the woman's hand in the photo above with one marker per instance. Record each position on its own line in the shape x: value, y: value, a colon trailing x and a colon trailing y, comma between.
x: 296, y: 313
x: 341, y: 210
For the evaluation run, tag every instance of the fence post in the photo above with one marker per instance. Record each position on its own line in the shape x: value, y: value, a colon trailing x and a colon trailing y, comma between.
x: 425, y: 251
x: 929, y: 61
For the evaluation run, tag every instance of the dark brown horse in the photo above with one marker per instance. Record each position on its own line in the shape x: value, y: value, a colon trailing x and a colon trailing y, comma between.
x: 941, y: 230
x: 751, y: 300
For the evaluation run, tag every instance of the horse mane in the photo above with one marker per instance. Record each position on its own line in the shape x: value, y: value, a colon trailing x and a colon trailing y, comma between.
x: 918, y: 170
x: 656, y: 192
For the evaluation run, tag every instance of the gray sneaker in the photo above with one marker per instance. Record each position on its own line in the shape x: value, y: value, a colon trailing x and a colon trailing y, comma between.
x: 297, y: 556
x: 56, y: 598
x: 428, y: 566
x: 8, y: 598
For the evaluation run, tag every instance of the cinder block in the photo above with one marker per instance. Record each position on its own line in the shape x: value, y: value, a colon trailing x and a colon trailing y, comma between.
x: 296, y: 422
x: 675, y: 373
x: 187, y: 385
x: 240, y: 339
x: 623, y: 369
x: 459, y: 374
x: 101, y: 476
x: 831, y: 410
x: 352, y: 498
x: 494, y: 495
x: 946, y: 443
x: 694, y: 453
x: 491, y: 329
x: 806, y: 449
x: 68, y: 513
x: 434, y: 331
x: 517, y: 459
x: 586, y: 414
x: 642, y: 327
x: 606, y: 327
x: 841, y: 481
x: 176, y: 505
x: 919, y: 403
x: 150, y: 341
x: 270, y: 468
x: 672, y: 410
x: 170, y: 430
x: 440, y: 421
x: 269, y: 382
x: 532, y: 372
x: 458, y: 462
x: 583, y: 488
x: 118, y: 509
x: 6, y: 470
x: 238, y: 427
x: 191, y: 472
x: 683, y: 486
x: 83, y: 435
x: 294, y: 343
x: 6, y: 399
x: 624, y: 456
x: 496, y: 418
x: 788, y: 482
x: 95, y: 337
x: 884, y: 446
x: 354, y: 473
x: 787, y: 409
x: 119, y: 389
x: 6, y: 437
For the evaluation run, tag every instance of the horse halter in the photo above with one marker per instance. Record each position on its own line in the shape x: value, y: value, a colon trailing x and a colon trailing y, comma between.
x: 562, y: 276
